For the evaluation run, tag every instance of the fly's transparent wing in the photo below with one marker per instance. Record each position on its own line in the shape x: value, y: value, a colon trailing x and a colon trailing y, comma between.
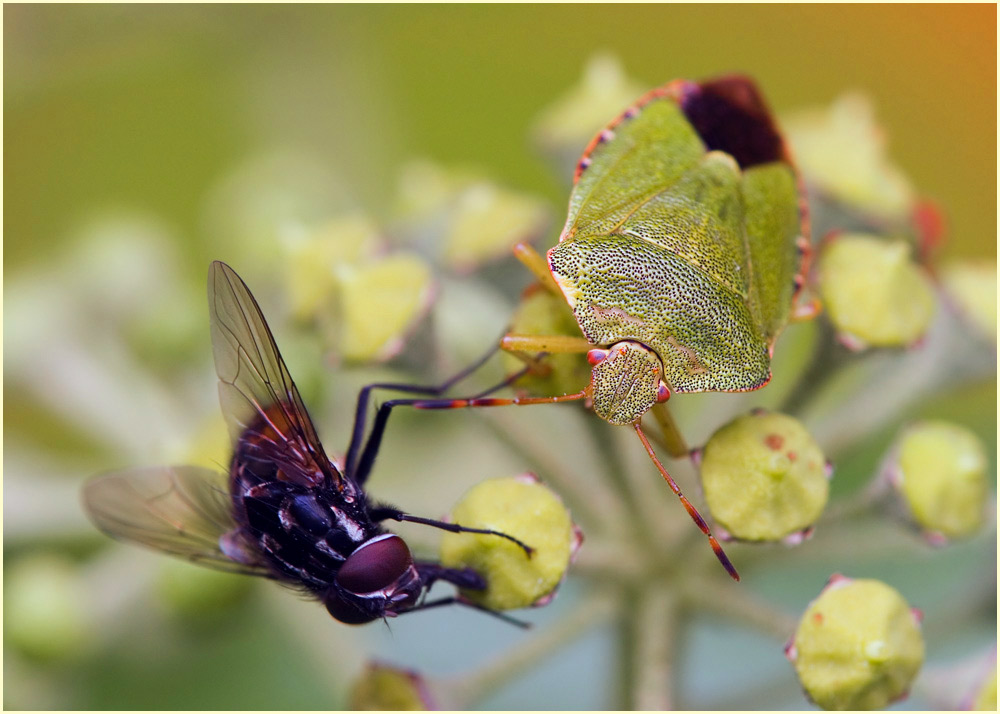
x: 180, y: 510
x: 255, y: 389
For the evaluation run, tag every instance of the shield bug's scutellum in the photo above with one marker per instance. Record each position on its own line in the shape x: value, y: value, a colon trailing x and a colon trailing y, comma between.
x: 683, y: 255
x: 284, y: 511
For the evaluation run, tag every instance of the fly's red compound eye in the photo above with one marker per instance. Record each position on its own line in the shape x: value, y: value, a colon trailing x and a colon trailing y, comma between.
x: 375, y: 565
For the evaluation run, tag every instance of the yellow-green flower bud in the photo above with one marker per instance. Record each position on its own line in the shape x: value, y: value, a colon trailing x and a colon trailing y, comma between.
x: 973, y: 287
x: 842, y: 149
x: 541, y: 312
x: 564, y: 127
x: 465, y: 218
x: 524, y: 508
x: 313, y: 258
x: 380, y: 301
x: 873, y: 291
x: 487, y: 221
x: 858, y: 645
x: 940, y: 469
x: 45, y: 616
x: 764, y: 477
x: 381, y: 687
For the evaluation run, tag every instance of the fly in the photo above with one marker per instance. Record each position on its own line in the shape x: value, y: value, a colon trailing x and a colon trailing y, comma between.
x: 284, y: 511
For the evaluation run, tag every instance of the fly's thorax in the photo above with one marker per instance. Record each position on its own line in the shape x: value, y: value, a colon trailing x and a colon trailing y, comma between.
x: 304, y: 534
x: 626, y: 381
x: 622, y: 287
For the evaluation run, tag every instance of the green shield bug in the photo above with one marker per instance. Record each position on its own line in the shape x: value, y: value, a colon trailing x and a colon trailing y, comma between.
x: 682, y: 257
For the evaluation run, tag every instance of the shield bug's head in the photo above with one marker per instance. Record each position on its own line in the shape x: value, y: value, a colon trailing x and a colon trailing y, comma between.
x: 627, y: 379
x: 377, y: 580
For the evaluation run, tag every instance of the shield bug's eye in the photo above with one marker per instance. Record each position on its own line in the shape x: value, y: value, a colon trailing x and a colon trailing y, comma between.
x: 595, y: 357
x: 375, y: 565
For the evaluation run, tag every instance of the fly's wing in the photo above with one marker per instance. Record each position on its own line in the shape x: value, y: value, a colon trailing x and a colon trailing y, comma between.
x: 255, y: 389
x: 180, y: 510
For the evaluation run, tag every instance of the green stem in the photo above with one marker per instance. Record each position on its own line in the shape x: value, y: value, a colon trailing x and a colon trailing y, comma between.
x: 828, y: 356
x: 673, y: 440
x: 468, y: 690
x: 864, y: 500
x: 639, y: 510
x: 708, y: 595
x: 626, y: 632
x: 653, y: 622
x: 604, y: 560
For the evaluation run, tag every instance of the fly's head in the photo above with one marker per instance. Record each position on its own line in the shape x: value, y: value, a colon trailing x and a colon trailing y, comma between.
x: 626, y: 381
x: 377, y: 580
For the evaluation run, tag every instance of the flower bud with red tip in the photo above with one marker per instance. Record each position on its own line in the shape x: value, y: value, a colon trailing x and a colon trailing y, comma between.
x: 940, y: 471
x: 858, y: 645
x: 765, y: 478
x: 382, y: 687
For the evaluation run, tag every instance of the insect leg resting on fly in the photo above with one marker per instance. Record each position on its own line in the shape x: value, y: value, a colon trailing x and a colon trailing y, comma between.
x: 284, y: 511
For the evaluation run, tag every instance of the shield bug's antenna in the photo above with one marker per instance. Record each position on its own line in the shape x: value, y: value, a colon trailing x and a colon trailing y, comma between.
x: 692, y: 511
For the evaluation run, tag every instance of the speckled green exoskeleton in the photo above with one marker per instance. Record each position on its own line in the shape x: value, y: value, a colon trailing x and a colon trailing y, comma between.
x: 682, y: 255
x: 683, y: 250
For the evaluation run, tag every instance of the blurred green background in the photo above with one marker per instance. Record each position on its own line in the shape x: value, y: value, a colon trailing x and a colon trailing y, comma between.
x: 147, y: 107
x: 157, y: 112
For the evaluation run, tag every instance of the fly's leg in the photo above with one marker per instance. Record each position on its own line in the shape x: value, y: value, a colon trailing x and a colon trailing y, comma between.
x: 464, y: 578
x: 384, y: 513
x: 465, y: 603
x: 367, y: 459
x: 361, y: 409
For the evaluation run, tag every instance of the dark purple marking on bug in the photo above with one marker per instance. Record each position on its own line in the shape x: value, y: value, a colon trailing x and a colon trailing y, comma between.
x: 729, y: 115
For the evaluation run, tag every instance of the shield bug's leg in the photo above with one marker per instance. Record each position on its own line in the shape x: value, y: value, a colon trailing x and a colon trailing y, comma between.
x: 532, y: 349
x: 692, y: 511
x: 367, y: 459
x: 465, y: 603
x: 544, y: 343
x: 534, y: 262
x: 384, y: 513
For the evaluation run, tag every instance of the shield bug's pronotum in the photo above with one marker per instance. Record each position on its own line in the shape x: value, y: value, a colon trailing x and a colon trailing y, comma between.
x: 284, y: 511
x: 681, y: 259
